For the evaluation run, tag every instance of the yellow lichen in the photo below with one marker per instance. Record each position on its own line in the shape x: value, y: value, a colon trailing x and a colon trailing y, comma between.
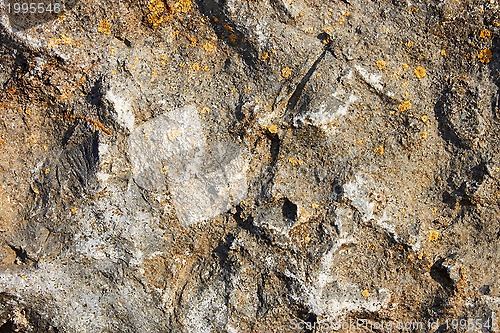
x: 381, y: 64
x: 51, y: 42
x: 286, y: 72
x: 192, y: 41
x: 424, y: 118
x: 433, y: 236
x: 327, y: 28
x: 443, y: 53
x: 380, y: 150
x: 205, y: 110
x: 104, y: 27
x: 425, y: 135
x: 405, y: 67
x: 264, y: 56
x: 208, y: 47
x: 233, y: 38
x: 365, y: 293
x: 183, y: 6
x: 294, y: 161
x: 484, y: 33
x: 157, y: 13
x: 66, y: 40
x: 406, y: 105
x: 74, y: 210
x: 46, y: 171
x: 173, y: 134
x: 420, y: 72
x: 272, y: 129
x: 485, y: 56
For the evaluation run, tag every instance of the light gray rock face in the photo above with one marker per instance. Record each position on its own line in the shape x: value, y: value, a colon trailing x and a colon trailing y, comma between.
x: 171, y: 152
x: 250, y: 166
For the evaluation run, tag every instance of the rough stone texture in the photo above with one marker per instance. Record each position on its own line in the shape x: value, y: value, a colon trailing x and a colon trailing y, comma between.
x: 250, y: 166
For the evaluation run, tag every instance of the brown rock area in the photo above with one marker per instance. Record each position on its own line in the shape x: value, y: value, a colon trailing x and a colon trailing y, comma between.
x: 250, y: 166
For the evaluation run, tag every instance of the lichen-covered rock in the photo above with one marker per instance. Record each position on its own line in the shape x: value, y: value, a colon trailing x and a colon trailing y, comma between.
x: 250, y: 166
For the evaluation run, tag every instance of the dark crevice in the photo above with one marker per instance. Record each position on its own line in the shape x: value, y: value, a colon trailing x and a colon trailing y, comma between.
x: 214, y: 9
x: 222, y: 251
x: 247, y: 224
x: 268, y: 178
x: 337, y: 191
x: 21, y: 253
x: 444, y: 128
x: 440, y: 274
x: 8, y: 327
x: 292, y: 102
x: 289, y: 210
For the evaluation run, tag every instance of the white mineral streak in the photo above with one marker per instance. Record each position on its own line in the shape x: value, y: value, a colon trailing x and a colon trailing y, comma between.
x: 204, y: 179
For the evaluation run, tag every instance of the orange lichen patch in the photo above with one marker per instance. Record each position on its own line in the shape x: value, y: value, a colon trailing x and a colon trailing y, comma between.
x: 327, y: 28
x: 409, y: 44
x: 294, y: 161
x: 157, y: 13
x: 273, y: 129
x: 420, y: 72
x: 96, y: 123
x: 74, y: 210
x: 425, y: 135
x: 496, y: 24
x: 485, y: 33
x: 204, y: 110
x: 443, y: 53
x: 51, y: 42
x: 228, y: 28
x: 192, y: 41
x: 173, y: 134
x: 381, y: 64
x: 208, y: 47
x: 36, y: 190
x: 380, y: 150
x: 365, y: 293
x: 46, y: 171
x: 424, y: 118
x: 264, y: 56
x: 104, y: 27
x: 183, y: 6
x: 196, y: 66
x: 233, y: 38
x: 433, y: 236
x: 485, y: 56
x: 405, y: 66
x: 286, y: 72
x: 406, y: 105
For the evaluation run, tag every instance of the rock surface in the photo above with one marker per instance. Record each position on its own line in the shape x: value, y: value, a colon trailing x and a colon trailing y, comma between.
x: 250, y: 166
